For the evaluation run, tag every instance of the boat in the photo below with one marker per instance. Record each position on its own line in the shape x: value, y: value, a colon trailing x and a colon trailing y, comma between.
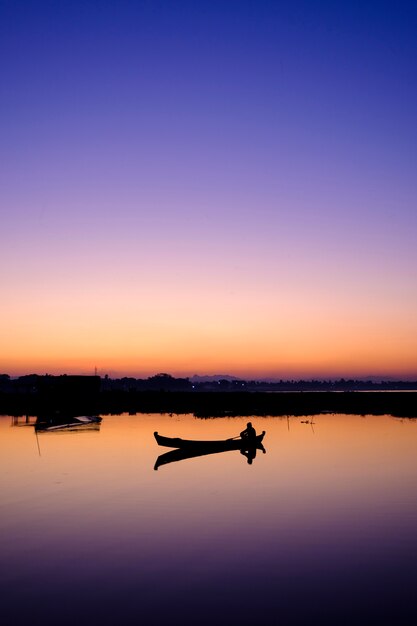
x: 67, y: 423
x: 234, y: 443
x: 180, y: 454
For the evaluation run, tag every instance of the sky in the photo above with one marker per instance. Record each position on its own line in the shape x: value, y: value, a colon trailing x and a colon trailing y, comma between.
x: 208, y: 187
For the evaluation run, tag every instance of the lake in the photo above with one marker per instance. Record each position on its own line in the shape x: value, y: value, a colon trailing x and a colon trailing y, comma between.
x: 322, y: 527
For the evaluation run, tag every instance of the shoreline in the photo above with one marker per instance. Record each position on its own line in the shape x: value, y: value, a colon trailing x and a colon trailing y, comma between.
x: 214, y: 404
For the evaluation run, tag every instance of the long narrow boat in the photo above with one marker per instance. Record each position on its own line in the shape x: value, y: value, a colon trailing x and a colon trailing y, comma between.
x: 222, y: 444
x: 190, y: 453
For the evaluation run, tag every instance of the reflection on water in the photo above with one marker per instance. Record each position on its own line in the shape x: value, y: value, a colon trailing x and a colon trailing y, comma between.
x: 319, y: 529
x: 59, y: 422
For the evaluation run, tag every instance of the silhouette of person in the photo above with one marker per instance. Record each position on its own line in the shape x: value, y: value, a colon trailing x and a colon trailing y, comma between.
x: 249, y: 434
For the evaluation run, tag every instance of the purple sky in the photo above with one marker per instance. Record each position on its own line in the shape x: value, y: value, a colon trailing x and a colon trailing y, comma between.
x: 194, y: 186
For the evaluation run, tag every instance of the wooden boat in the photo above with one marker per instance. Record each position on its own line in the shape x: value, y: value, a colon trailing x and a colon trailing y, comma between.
x: 67, y: 423
x: 190, y: 453
x: 215, y: 445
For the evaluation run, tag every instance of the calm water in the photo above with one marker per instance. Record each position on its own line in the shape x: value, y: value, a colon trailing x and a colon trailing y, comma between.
x: 321, y: 528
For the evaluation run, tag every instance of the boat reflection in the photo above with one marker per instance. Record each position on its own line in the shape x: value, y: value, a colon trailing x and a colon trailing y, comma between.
x: 179, y: 455
x: 67, y: 423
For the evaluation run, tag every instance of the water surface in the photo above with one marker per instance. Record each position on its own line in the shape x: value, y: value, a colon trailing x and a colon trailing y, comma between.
x: 322, y: 527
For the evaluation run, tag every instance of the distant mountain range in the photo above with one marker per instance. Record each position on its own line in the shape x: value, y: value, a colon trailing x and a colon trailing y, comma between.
x: 374, y: 379
x: 212, y: 379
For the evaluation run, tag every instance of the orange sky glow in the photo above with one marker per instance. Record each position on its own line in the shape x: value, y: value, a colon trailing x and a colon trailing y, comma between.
x: 248, y: 331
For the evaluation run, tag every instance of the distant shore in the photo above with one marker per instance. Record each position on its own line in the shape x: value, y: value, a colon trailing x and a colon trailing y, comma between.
x: 209, y: 404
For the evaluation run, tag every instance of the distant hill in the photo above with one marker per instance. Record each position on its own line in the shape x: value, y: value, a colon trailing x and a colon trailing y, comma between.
x: 212, y: 379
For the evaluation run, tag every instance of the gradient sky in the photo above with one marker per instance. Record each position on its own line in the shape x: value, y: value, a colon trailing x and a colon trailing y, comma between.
x: 208, y: 187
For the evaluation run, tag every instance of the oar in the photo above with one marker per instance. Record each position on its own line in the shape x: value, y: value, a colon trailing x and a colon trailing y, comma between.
x: 237, y: 437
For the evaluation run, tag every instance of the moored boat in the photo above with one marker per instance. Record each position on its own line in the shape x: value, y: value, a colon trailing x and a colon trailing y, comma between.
x: 234, y: 443
x: 64, y: 423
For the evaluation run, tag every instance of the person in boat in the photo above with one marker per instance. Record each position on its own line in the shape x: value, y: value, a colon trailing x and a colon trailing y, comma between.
x: 249, y: 434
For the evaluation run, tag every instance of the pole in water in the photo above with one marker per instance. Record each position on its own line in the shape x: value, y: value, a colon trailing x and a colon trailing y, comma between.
x: 37, y: 441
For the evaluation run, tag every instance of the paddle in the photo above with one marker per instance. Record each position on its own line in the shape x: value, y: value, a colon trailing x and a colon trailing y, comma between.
x: 240, y: 437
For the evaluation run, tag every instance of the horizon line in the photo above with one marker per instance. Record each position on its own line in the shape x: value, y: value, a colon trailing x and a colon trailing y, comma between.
x: 272, y: 379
